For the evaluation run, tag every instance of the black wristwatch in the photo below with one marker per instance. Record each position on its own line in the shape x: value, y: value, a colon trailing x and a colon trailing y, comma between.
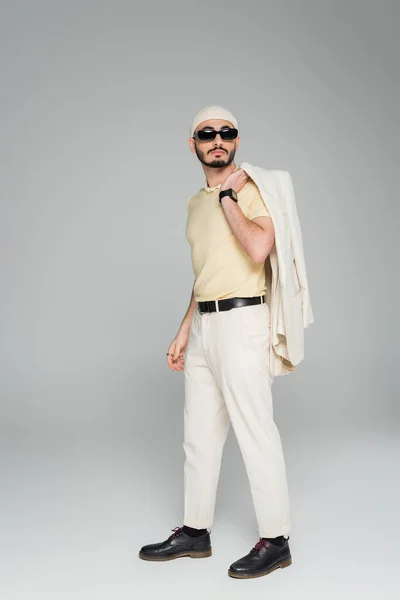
x: 229, y: 192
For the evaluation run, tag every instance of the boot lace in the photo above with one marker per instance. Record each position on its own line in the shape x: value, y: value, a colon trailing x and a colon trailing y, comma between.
x: 260, y: 544
x: 177, y: 531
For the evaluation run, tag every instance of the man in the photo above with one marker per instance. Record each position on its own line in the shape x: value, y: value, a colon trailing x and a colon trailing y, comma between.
x: 225, y: 336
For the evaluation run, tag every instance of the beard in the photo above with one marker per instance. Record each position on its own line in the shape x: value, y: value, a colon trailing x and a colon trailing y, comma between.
x: 216, y: 163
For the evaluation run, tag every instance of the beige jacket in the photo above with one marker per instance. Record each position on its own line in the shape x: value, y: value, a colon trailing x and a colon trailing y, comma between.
x: 287, y: 295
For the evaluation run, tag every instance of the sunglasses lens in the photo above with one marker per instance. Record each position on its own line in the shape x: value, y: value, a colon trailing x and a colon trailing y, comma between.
x: 206, y: 135
x: 229, y: 134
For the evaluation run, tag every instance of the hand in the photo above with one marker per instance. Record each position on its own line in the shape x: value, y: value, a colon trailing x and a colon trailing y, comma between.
x: 236, y: 180
x: 178, y: 347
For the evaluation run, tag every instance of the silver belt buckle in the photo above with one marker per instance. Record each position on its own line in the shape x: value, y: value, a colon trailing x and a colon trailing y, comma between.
x: 209, y: 305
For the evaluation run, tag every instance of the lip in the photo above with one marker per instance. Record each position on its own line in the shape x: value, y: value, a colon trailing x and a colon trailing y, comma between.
x: 217, y: 152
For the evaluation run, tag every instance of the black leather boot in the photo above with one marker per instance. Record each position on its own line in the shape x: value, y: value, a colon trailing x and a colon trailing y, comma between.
x: 176, y: 545
x: 262, y: 559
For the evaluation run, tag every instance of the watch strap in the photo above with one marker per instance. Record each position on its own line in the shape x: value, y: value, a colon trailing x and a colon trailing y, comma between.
x: 229, y: 192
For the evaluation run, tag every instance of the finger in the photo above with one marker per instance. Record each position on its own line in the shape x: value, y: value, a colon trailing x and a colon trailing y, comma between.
x: 170, y: 359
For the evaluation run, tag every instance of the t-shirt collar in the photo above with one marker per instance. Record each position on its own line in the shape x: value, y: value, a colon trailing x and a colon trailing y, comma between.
x: 210, y: 189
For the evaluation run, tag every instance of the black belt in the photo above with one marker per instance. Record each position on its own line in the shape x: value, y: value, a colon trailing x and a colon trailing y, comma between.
x: 228, y: 303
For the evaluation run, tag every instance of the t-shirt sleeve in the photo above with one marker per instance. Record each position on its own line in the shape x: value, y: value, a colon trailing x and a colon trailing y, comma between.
x: 257, y: 206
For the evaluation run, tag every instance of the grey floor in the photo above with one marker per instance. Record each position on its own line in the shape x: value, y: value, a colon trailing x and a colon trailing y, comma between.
x: 76, y: 509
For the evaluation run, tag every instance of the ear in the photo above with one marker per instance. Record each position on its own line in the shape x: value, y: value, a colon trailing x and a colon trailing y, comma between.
x: 191, y: 145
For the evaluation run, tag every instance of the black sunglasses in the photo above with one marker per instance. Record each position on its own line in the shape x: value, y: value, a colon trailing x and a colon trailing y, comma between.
x: 208, y: 135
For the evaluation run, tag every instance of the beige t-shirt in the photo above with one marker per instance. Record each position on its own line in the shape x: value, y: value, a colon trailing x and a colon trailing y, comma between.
x: 221, y: 267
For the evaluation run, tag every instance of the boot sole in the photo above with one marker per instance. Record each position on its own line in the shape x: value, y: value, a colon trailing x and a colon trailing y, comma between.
x: 191, y: 553
x: 280, y: 565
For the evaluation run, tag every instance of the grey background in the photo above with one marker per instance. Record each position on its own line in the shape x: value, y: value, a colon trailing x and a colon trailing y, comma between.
x: 96, y: 103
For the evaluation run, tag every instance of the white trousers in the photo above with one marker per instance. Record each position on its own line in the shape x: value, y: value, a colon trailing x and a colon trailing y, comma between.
x: 227, y: 380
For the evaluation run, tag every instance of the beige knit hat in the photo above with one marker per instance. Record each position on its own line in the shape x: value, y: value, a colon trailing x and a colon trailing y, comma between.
x: 212, y: 112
